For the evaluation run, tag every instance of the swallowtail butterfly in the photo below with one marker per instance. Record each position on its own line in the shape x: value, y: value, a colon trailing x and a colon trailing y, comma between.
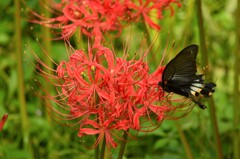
x: 179, y: 76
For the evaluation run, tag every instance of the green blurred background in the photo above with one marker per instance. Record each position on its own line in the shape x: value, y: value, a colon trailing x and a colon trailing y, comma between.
x: 29, y: 133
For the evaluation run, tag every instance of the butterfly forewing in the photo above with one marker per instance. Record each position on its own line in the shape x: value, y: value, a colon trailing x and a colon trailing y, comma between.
x: 183, y: 66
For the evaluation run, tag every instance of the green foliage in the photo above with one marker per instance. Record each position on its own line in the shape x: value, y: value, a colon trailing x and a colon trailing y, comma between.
x: 52, y: 140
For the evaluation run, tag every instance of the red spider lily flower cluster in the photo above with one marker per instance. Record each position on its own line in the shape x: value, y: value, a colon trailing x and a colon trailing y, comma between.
x: 107, y: 94
x: 3, y: 121
x: 96, y: 17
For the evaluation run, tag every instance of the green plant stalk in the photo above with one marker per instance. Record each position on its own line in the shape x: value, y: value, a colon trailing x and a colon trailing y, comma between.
x: 187, y: 32
x: 123, y: 145
x: 78, y: 39
x: 205, y: 63
x: 236, y: 109
x: 96, y: 151
x: 47, y: 45
x: 184, y: 141
x: 21, y: 90
x: 201, y: 145
x: 102, y: 154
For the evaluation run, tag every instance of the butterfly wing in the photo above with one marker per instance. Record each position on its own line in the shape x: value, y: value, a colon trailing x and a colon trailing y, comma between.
x: 183, y: 67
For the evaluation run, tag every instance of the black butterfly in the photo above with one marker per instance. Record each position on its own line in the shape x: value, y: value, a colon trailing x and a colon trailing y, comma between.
x: 179, y: 76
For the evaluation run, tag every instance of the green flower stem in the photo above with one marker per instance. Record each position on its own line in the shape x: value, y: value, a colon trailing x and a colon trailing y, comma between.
x: 78, y: 39
x: 187, y: 32
x: 236, y: 108
x: 47, y: 45
x: 123, y: 145
x: 97, y: 149
x: 103, y: 148
x: 184, y: 141
x: 205, y: 63
x: 97, y: 135
x: 21, y: 91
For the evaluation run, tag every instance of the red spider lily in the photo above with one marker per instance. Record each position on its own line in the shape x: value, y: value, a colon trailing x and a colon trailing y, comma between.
x: 2, y: 122
x: 104, y: 128
x: 145, y: 8
x: 96, y: 17
x: 104, y: 95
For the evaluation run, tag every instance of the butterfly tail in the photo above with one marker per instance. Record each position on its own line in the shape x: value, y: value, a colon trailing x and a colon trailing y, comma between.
x: 208, y: 89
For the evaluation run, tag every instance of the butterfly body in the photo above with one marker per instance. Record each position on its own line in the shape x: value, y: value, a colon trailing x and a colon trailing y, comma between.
x: 179, y: 76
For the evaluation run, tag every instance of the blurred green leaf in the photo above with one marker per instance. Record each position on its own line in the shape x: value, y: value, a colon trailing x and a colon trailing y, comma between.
x: 11, y: 151
x: 161, y: 143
